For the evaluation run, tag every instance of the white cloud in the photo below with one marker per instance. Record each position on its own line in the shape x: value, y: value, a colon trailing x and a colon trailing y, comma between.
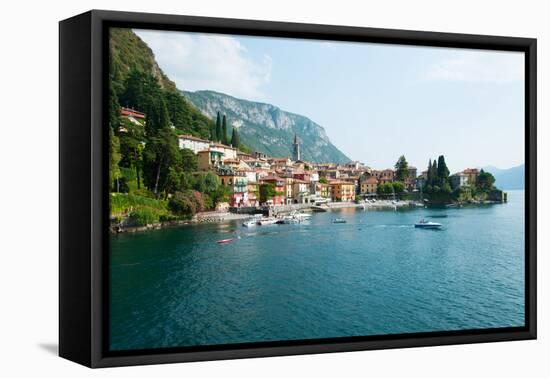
x: 478, y: 66
x: 207, y: 61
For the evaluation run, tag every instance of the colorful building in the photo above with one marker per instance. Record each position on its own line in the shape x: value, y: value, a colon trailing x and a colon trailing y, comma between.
x: 238, y: 184
x: 369, y: 185
x: 300, y: 191
x: 342, y: 191
x: 209, y: 159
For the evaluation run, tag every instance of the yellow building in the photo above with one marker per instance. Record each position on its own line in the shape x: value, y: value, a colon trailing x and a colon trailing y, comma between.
x: 342, y: 191
x: 289, y: 189
x: 208, y: 160
x: 369, y: 185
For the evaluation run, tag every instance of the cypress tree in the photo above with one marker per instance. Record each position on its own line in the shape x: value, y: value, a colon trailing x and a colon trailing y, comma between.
x: 429, y: 178
x: 235, y: 142
x: 224, y: 131
x: 218, y: 128
x: 435, y: 178
x: 442, y: 170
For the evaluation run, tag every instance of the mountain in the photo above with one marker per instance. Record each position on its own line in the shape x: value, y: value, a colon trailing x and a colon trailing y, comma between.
x: 132, y: 68
x: 127, y: 51
x: 268, y: 129
x: 512, y: 178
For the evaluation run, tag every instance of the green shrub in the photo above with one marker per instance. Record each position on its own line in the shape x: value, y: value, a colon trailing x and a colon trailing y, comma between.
x: 143, y: 217
x: 186, y: 203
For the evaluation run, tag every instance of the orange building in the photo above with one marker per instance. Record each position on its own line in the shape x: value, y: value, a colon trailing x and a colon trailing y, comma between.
x: 342, y: 191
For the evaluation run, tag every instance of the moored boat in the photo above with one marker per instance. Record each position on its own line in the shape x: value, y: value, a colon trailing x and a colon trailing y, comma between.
x: 267, y: 221
x: 224, y: 241
x: 250, y: 223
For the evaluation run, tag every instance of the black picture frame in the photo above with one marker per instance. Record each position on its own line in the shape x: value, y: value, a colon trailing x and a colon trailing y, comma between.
x: 83, y: 201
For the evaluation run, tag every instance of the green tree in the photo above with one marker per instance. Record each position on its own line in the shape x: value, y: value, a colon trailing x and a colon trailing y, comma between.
x: 132, y: 140
x: 485, y: 181
x: 267, y: 192
x: 442, y: 170
x: 219, y: 128
x: 385, y: 188
x: 429, y: 177
x: 235, y: 139
x: 160, y: 153
x: 401, y: 169
x: 398, y: 187
x: 114, y: 159
x: 189, y: 160
x: 114, y: 143
x: 224, y: 131
x: 435, y: 177
x: 323, y: 180
x: 157, y: 117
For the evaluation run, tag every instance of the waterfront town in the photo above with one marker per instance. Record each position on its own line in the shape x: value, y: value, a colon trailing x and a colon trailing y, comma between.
x: 255, y: 179
x: 252, y: 182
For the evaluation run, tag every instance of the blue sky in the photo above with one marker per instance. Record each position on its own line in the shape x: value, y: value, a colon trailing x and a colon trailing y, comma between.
x: 375, y: 101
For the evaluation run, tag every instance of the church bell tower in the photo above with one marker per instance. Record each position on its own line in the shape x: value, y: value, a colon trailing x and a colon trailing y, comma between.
x: 296, y: 151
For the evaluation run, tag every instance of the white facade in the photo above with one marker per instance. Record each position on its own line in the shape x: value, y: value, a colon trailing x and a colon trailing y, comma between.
x: 193, y: 143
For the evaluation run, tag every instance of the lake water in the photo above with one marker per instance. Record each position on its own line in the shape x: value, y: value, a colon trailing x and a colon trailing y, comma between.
x: 374, y: 275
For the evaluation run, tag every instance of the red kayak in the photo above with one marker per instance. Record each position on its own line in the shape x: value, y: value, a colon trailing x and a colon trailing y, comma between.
x: 224, y: 241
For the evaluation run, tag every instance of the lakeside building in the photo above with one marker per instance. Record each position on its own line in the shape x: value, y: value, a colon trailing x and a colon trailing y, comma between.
x: 237, y: 183
x: 259, y: 155
x: 209, y: 160
x: 253, y: 193
x: 472, y: 174
x: 341, y: 191
x: 193, y: 143
x: 300, y: 191
x: 228, y: 152
x: 458, y: 180
x: 369, y: 185
x: 131, y: 113
x: 279, y: 163
x: 410, y: 181
x: 289, y: 189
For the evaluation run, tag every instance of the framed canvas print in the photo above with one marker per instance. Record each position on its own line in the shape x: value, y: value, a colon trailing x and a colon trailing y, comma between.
x: 234, y: 188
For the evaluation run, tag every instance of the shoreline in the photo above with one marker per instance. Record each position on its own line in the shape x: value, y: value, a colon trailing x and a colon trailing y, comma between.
x: 225, y: 216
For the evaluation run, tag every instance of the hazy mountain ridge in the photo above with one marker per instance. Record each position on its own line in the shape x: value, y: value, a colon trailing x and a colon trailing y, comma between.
x: 511, y: 178
x: 267, y: 128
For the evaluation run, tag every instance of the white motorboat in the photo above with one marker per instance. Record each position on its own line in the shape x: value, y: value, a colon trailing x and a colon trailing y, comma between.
x: 250, y: 223
x: 430, y: 225
x: 267, y: 221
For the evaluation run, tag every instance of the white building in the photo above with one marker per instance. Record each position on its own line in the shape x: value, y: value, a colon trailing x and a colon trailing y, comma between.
x: 193, y: 143
x: 459, y: 180
x: 228, y: 152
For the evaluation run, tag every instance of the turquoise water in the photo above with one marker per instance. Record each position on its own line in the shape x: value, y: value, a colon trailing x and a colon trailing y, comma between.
x: 374, y: 275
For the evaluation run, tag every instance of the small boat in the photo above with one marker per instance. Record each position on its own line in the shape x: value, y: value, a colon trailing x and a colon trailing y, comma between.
x: 438, y: 216
x: 224, y: 241
x: 339, y: 220
x: 301, y: 216
x: 267, y: 221
x: 288, y: 219
x: 250, y: 223
x: 431, y: 225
